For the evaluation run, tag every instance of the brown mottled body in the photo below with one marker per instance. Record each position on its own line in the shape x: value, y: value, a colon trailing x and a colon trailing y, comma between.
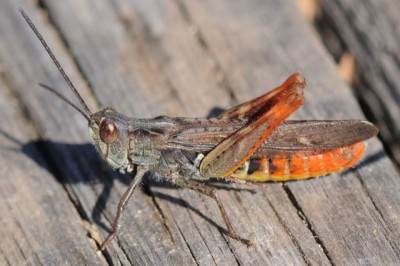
x: 250, y: 142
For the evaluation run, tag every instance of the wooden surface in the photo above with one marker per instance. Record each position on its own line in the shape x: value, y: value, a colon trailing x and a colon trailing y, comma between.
x: 178, y: 58
x: 369, y: 30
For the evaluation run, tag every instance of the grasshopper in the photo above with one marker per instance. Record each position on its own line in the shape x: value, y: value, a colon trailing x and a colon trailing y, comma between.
x: 251, y: 142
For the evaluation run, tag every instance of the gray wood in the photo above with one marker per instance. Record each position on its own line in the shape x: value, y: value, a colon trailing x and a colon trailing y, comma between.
x: 369, y: 31
x: 180, y: 58
x: 39, y: 224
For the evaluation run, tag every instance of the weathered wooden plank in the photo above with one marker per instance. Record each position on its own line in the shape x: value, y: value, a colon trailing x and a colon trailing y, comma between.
x: 308, y: 56
x: 202, y: 235
x: 149, y: 79
x: 369, y: 31
x: 34, y: 206
x: 74, y: 161
x: 185, y: 58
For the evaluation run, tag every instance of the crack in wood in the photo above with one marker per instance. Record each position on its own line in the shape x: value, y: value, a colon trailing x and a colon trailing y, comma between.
x: 303, y: 217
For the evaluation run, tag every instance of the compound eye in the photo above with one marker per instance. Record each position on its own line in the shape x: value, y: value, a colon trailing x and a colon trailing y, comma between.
x: 108, y: 131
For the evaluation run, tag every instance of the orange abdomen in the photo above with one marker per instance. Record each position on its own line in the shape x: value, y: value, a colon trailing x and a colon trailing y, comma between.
x: 330, y: 162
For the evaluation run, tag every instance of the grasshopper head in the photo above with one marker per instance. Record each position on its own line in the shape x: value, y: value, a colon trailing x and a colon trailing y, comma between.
x: 110, y: 136
x: 107, y: 128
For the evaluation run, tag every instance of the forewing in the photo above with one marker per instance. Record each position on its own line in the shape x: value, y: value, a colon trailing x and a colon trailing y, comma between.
x: 310, y: 137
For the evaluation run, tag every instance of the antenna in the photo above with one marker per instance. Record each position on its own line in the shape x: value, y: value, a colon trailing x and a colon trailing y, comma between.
x: 86, y: 111
x: 62, y: 97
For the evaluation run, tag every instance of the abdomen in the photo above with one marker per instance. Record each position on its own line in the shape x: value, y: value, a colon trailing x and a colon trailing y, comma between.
x: 333, y: 161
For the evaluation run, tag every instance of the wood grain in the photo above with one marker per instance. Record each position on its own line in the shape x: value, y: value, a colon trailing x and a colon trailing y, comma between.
x: 368, y: 30
x: 178, y: 58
